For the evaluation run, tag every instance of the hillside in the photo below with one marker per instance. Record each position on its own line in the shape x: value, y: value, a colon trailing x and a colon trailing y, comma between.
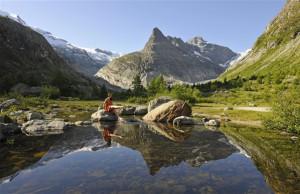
x: 276, y: 54
x: 27, y: 57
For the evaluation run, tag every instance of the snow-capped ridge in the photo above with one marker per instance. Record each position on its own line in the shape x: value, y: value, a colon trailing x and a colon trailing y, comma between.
x: 14, y: 17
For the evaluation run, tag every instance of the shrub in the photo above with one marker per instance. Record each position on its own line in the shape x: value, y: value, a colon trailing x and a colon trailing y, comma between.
x: 286, y: 113
x: 50, y: 92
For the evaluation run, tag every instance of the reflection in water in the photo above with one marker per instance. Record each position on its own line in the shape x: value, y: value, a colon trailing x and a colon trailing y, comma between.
x: 275, y: 155
x: 136, y: 157
x: 169, y: 148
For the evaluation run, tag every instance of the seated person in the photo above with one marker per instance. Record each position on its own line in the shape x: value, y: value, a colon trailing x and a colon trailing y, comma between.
x: 108, y: 103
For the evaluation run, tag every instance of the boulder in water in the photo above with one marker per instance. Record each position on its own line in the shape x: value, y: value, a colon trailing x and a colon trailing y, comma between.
x: 141, y: 110
x: 42, y: 127
x: 213, y: 122
x: 101, y: 115
x: 167, y: 112
x: 157, y: 102
x: 34, y: 115
x: 183, y: 120
x: 127, y: 110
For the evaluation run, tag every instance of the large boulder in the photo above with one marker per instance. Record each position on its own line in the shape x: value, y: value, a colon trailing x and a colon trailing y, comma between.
x: 34, y: 115
x: 6, y: 104
x: 167, y: 112
x: 183, y: 120
x: 127, y: 110
x: 42, y: 127
x: 101, y: 115
x: 157, y: 102
x: 141, y: 110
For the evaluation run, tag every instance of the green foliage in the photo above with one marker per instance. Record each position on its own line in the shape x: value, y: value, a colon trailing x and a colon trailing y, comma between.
x: 286, y: 113
x: 50, y: 92
x: 157, y: 85
x: 138, y: 100
x: 186, y: 93
x: 138, y: 88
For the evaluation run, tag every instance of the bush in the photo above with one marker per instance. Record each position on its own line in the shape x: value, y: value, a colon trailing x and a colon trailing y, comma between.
x: 186, y: 93
x: 286, y: 113
x: 50, y: 92
x: 138, y: 100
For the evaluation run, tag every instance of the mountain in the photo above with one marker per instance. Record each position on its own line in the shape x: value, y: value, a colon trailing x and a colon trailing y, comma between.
x: 27, y: 57
x: 84, y: 60
x: 178, y: 61
x: 276, y: 53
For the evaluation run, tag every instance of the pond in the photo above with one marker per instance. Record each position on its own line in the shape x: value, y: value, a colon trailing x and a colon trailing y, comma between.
x: 150, y: 158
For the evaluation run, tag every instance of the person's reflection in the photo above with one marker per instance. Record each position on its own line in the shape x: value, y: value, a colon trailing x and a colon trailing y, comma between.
x: 108, y: 133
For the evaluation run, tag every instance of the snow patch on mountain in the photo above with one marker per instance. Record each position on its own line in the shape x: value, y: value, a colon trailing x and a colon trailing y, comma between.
x: 239, y: 57
x: 13, y: 17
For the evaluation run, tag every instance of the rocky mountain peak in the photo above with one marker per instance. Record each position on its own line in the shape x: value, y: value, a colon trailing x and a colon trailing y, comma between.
x: 198, y: 40
x: 157, y: 35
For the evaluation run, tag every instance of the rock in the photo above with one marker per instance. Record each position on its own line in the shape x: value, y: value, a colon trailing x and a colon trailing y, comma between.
x: 54, y: 106
x: 86, y: 122
x: 5, y: 119
x: 6, y: 104
x: 228, y: 108
x: 213, y: 122
x: 204, y: 120
x: 72, y: 116
x: 9, y: 128
x: 100, y: 115
x: 294, y: 138
x: 81, y: 123
x: 157, y: 102
x: 56, y: 124
x: 183, y: 120
x: 34, y: 115
x: 78, y: 123
x: 41, y: 127
x: 16, y: 113
x: 167, y: 112
x: 127, y: 110
x: 141, y: 110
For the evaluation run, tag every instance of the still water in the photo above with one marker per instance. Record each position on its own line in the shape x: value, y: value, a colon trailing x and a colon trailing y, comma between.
x: 150, y: 158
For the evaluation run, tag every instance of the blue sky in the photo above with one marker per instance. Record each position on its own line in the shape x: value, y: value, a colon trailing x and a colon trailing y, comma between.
x: 124, y: 26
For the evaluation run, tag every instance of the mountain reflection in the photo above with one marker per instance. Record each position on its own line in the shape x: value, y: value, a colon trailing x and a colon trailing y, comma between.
x: 160, y: 145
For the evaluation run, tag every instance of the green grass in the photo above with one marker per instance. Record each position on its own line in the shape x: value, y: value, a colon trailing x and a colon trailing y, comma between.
x: 214, y: 109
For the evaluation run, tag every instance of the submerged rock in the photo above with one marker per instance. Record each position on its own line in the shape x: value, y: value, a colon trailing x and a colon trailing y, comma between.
x: 167, y: 112
x: 141, y: 110
x: 157, y: 102
x: 183, y: 120
x: 34, y: 115
x: 101, y: 115
x: 127, y: 110
x: 213, y: 122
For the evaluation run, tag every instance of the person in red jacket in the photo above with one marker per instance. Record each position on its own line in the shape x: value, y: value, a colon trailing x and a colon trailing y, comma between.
x: 108, y: 103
